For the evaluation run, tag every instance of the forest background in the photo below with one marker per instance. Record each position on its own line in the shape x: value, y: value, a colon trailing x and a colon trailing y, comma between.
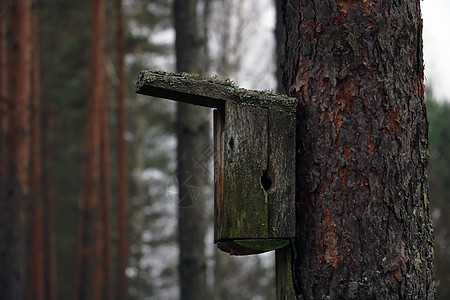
x: 239, y: 44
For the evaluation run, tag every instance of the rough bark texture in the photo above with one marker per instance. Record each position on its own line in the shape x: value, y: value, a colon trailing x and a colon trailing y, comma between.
x: 363, y: 224
x: 122, y: 178
x: 193, y: 130
x: 85, y: 287
x: 15, y: 191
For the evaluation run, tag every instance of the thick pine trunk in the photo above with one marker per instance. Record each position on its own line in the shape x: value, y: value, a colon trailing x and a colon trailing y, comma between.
x: 192, y: 130
x: 363, y: 223
x: 15, y: 188
x: 85, y: 287
x: 122, y: 178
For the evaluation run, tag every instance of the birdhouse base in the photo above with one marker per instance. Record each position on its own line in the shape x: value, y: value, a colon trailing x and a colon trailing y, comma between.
x: 251, y: 246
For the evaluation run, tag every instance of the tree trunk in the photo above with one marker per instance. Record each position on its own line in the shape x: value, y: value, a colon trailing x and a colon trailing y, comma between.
x: 122, y: 178
x: 85, y: 287
x: 3, y: 96
x: 13, y: 204
x: 192, y: 130
x: 49, y: 203
x: 104, y: 251
x: 36, y: 227
x: 279, y: 49
x: 363, y: 222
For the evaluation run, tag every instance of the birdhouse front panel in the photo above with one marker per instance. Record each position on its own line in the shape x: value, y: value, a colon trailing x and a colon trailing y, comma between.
x: 255, y: 180
x: 244, y: 211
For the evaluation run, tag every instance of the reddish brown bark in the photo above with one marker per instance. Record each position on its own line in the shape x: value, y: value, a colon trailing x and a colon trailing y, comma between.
x: 363, y: 224
x: 122, y: 177
x: 85, y: 287
x: 50, y: 259
x: 104, y: 240
x: 3, y: 94
x: 13, y: 203
x: 36, y: 249
x: 3, y: 127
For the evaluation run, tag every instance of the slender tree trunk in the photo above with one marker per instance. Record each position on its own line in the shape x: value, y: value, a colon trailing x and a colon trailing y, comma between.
x: 279, y: 47
x: 363, y: 222
x: 86, y: 288
x: 206, y: 16
x: 122, y: 178
x: 50, y: 270
x: 13, y: 204
x: 36, y: 249
x: 105, y: 209
x: 3, y: 96
x: 192, y: 129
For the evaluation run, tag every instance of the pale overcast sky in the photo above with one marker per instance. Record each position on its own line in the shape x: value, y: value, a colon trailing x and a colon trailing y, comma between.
x: 436, y: 48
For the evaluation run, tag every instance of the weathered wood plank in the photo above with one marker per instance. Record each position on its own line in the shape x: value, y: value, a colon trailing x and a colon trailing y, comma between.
x: 245, y: 211
x: 219, y: 125
x: 281, y: 170
x: 209, y: 91
x: 283, y: 269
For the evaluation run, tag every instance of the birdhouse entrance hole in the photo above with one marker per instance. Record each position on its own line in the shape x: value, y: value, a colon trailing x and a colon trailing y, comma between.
x: 266, y: 180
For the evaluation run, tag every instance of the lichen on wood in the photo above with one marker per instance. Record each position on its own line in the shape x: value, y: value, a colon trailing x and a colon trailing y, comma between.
x: 209, y: 90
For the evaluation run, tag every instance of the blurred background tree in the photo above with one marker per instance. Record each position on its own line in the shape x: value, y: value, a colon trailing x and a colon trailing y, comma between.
x: 151, y: 269
x: 439, y: 119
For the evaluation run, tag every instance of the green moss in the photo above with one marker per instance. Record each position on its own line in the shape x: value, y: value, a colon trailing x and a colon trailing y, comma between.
x: 245, y: 211
x: 148, y: 76
x: 352, y: 41
x: 267, y: 98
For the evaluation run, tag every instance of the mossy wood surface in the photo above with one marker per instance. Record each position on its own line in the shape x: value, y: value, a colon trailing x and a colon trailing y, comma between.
x: 281, y: 170
x: 245, y: 211
x: 209, y: 91
x: 255, y: 165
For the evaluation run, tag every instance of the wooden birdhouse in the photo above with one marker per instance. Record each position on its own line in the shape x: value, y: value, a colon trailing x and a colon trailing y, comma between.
x: 254, y: 158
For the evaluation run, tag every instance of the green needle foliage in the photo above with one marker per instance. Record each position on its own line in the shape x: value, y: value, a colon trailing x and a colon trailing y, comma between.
x: 439, y: 120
